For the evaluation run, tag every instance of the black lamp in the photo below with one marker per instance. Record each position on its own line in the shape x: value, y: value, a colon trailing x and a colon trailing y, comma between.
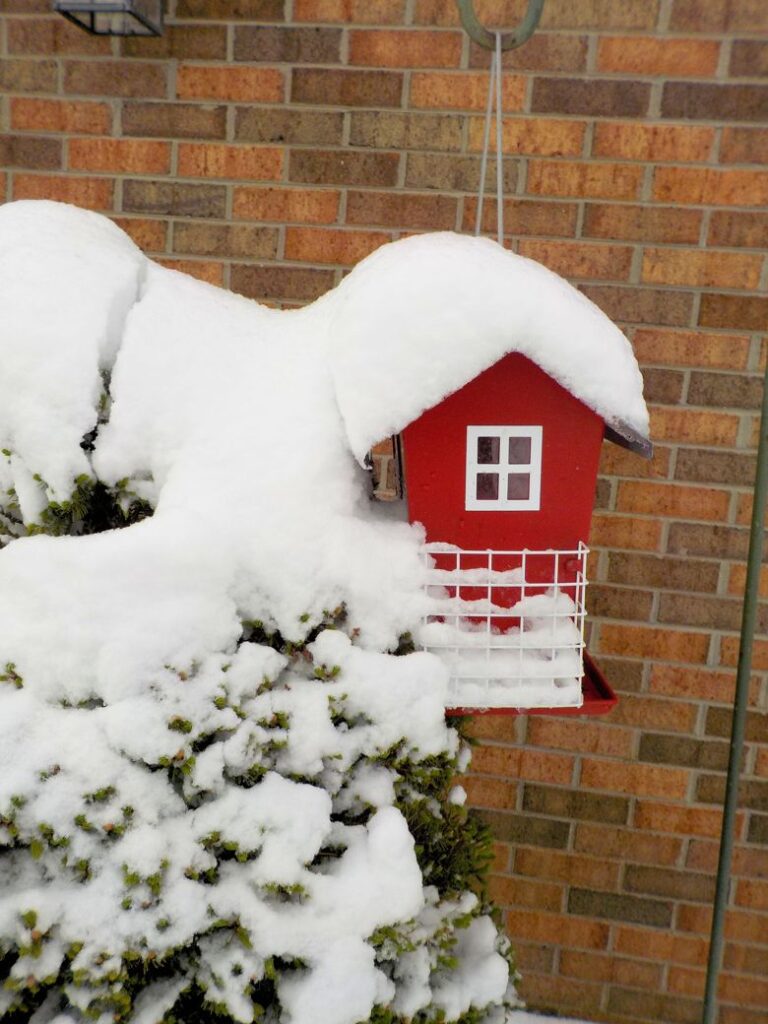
x: 115, y: 17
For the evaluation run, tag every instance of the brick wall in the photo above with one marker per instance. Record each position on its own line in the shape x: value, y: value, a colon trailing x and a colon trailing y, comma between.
x: 266, y: 145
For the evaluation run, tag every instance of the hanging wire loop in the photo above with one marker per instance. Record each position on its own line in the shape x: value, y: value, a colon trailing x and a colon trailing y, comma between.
x: 509, y: 40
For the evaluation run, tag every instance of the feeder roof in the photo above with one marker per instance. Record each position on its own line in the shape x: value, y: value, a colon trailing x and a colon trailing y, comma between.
x: 423, y: 316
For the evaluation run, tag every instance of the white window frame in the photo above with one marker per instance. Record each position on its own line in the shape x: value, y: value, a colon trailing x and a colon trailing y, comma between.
x: 530, y: 504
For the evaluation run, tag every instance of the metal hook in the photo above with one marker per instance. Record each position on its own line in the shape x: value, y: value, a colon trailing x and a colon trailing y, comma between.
x: 509, y: 40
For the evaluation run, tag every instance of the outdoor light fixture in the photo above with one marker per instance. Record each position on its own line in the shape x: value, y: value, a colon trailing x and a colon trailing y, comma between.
x: 115, y: 17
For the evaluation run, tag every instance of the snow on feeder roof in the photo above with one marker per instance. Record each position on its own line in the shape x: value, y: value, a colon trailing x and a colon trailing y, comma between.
x: 422, y: 316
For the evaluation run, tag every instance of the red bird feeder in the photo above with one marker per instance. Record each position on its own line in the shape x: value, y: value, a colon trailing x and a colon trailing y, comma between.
x: 502, y: 475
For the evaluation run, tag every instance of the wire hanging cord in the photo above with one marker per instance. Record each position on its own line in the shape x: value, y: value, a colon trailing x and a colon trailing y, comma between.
x: 494, y: 87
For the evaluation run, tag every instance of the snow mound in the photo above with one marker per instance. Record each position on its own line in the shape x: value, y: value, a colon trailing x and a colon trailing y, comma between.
x: 209, y: 765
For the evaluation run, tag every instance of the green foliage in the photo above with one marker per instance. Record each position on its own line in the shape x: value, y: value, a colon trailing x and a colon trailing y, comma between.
x: 453, y: 848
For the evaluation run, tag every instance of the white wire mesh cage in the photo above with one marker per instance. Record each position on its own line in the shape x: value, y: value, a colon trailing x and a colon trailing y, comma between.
x: 509, y: 624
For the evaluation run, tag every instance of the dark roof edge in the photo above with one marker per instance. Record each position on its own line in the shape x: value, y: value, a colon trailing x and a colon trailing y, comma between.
x: 622, y: 434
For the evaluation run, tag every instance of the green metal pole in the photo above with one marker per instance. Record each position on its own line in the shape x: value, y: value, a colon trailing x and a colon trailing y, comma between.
x: 743, y: 671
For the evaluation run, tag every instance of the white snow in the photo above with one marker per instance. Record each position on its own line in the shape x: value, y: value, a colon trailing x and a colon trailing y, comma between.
x: 420, y: 317
x: 124, y: 650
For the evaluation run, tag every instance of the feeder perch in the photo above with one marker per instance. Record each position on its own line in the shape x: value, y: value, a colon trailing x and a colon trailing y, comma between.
x: 502, y: 475
x: 114, y: 17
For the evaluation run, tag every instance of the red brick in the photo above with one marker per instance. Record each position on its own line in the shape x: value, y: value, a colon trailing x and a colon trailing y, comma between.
x: 709, y: 101
x: 228, y: 10
x: 346, y: 88
x: 749, y: 58
x: 33, y: 152
x: 650, y: 55
x: 580, y: 259
x: 707, y: 186
x: 654, y: 142
x: 227, y: 83
x: 340, y: 167
x: 525, y: 216
x: 544, y: 51
x: 172, y: 198
x: 174, y: 120
x: 584, y: 180
x: 688, y: 821
x: 689, y: 426
x: 647, y: 642
x: 394, y: 129
x: 637, y: 779
x: 703, y: 856
x: 738, y: 576
x: 610, y: 968
x: 643, y: 305
x: 394, y: 209
x: 702, y: 268
x: 744, y: 146
x: 558, y: 929
x: 28, y: 75
x: 523, y: 892
x: 626, y: 844
x: 653, y: 713
x: 609, y: 15
x: 68, y: 116
x: 210, y: 160
x: 737, y: 312
x: 672, y: 500
x: 751, y: 892
x: 573, y: 869
x: 203, y: 270
x: 541, y: 137
x: 573, y: 996
x: 121, y: 78
x: 594, y: 97
x: 612, y: 531
x: 116, y: 156
x: 286, y: 205
x: 694, y: 16
x: 356, y: 12
x: 641, y: 223
x: 579, y: 736
x: 55, y: 36
x: 698, y: 684
x: 494, y: 794
x: 284, y: 283
x: 149, y: 235
x: 327, y: 245
x: 669, y: 947
x: 180, y: 42
x: 463, y: 90
x: 738, y: 229
x: 383, y: 48
x: 616, y: 461
x: 514, y: 762
x: 241, y: 241
x: 692, y: 348
x: 729, y: 653
x: 92, y: 193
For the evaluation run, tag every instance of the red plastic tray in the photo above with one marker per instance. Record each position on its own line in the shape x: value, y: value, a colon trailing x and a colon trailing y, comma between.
x: 599, y: 698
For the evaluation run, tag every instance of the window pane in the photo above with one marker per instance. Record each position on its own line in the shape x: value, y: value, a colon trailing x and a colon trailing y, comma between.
x: 487, y: 486
x: 518, y: 486
x: 488, y: 449
x: 519, y: 451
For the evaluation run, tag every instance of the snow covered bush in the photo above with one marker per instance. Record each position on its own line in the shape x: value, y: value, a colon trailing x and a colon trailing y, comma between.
x: 225, y: 784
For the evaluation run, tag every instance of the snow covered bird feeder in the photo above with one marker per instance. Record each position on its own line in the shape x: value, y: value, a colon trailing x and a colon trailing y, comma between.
x: 509, y: 379
x: 115, y: 17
